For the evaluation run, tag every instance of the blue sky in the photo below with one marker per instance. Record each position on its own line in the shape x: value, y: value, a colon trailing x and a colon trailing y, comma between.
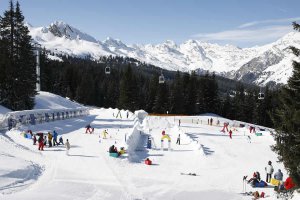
x: 239, y: 22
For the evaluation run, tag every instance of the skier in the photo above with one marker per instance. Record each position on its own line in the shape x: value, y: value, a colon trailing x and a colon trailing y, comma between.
x: 41, y: 143
x: 60, y: 141
x: 178, y: 139
x: 67, y: 145
x: 34, y: 140
x: 89, y: 129
x: 230, y: 134
x: 269, y: 170
x: 50, y: 139
x: 249, y: 139
x: 45, y: 140
x: 55, y: 138
x: 211, y: 121
x: 179, y: 122
x: 104, y: 134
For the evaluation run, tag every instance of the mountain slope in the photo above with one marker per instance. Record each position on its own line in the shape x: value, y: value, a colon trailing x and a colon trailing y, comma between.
x: 260, y: 65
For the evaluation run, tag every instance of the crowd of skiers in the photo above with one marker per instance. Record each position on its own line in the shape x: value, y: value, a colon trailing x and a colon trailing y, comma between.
x: 42, y: 139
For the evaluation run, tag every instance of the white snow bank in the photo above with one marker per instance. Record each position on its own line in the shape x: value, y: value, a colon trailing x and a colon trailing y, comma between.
x: 3, y: 111
x: 46, y: 100
x: 18, y: 168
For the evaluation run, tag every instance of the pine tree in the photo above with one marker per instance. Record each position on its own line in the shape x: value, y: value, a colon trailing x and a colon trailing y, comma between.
x: 177, y: 97
x: 287, y: 122
x: 19, y: 87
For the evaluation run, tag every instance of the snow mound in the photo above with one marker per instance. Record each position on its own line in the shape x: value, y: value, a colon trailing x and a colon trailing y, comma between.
x: 46, y: 100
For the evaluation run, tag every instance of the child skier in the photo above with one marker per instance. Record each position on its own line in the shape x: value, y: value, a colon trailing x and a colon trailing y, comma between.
x: 178, y: 139
x: 230, y: 134
x: 68, y: 146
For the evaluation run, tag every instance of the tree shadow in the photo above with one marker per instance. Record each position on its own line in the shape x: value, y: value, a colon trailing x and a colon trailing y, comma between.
x: 207, y: 150
x: 77, y: 155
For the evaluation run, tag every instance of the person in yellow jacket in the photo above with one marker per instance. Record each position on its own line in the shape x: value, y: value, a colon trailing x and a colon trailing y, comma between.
x: 50, y: 139
x: 104, y: 134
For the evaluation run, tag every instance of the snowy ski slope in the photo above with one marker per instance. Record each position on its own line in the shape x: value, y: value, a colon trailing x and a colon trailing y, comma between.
x: 89, y: 173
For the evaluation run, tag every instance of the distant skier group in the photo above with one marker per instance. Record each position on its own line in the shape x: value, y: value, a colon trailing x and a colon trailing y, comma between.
x: 42, y: 139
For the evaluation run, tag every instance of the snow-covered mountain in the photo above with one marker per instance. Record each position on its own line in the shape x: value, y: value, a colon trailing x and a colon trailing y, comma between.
x: 260, y: 65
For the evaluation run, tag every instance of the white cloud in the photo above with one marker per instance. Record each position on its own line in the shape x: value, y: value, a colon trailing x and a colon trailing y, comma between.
x: 270, y: 21
x: 246, y: 37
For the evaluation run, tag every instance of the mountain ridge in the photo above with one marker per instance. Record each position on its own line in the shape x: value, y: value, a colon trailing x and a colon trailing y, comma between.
x: 259, y: 65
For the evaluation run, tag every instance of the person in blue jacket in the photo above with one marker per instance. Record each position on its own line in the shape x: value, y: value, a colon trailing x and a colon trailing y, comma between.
x: 55, y: 138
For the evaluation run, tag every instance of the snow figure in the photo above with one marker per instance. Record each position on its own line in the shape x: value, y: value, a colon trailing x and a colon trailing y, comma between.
x: 225, y: 127
x: 165, y: 136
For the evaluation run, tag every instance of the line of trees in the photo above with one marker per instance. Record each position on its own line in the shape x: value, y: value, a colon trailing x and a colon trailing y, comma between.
x: 132, y: 85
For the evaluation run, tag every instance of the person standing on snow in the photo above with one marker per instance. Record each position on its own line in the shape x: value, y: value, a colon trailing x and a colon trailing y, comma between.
x: 269, y: 170
x: 278, y: 175
x: 178, y: 139
x: 230, y: 134
x: 68, y: 146
x: 55, y: 138
x: 50, y: 139
x: 41, y: 142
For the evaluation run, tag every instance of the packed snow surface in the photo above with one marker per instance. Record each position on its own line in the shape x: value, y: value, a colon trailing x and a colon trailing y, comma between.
x: 90, y: 173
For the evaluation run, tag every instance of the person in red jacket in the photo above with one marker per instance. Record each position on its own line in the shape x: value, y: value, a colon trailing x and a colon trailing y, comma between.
x: 289, y: 184
x: 230, y: 134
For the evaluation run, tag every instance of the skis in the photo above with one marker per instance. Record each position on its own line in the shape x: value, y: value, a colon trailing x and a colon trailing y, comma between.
x: 189, y: 174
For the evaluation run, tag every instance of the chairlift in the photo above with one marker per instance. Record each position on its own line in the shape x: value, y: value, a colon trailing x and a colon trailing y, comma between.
x: 261, y: 95
x: 107, y: 70
x: 161, y: 79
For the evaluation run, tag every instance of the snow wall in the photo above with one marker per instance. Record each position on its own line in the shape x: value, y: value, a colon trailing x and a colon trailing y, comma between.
x: 15, y: 119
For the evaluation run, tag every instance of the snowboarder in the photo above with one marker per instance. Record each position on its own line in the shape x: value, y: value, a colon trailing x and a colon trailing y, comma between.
x: 178, y: 139
x: 55, y: 138
x: 68, y: 146
x: 269, y: 170
x: 230, y: 134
